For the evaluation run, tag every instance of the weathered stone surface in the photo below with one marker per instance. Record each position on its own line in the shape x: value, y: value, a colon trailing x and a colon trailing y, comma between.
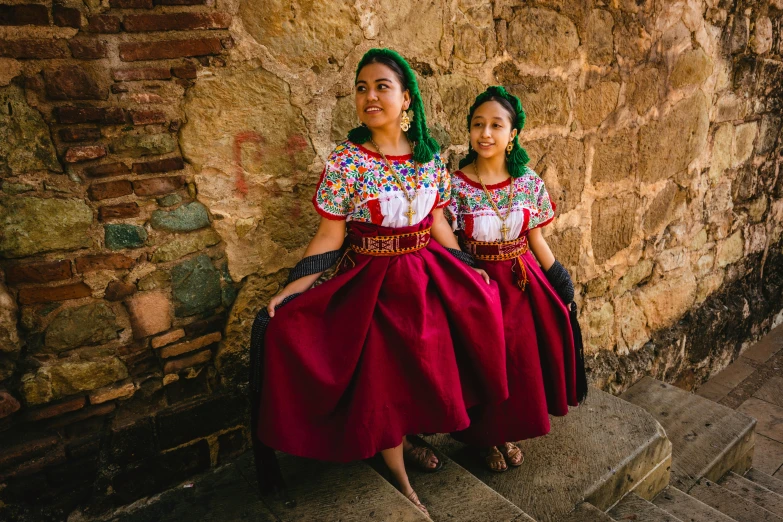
x: 600, y: 40
x: 659, y: 213
x: 190, y: 346
x: 429, y: 21
x: 744, y: 135
x: 561, y: 163
x: 545, y: 102
x: 596, y: 103
x: 150, y: 313
x: 117, y: 290
x: 195, y: 286
x: 768, y: 133
x: 185, y: 218
x: 642, y: 90
x: 184, y: 245
x: 140, y: 145
x: 84, y: 325
x: 122, y: 391
x: 457, y: 91
x: 156, y: 279
x: 692, y: 68
x: 613, y: 159
x: 631, y: 324
x: 121, y: 236
x: 762, y: 35
x: 25, y: 142
x: 9, y: 335
x: 35, y: 225
x: 666, y: 300
x: 542, y: 37
x: 614, y: 223
x: 343, y: 117
x: 319, y: 33
x: 169, y: 200
x: 730, y: 250
x: 667, y: 146
x: 8, y: 404
x: 168, y: 338
x: 565, y: 246
x: 61, y: 379
x: 600, y: 328
x: 722, y: 147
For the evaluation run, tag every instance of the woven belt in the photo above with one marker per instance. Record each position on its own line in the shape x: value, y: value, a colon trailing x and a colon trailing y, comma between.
x: 390, y: 245
x: 496, y: 251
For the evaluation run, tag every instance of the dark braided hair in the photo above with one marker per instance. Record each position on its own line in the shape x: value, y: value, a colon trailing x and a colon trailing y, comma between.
x: 425, y: 145
x: 518, y: 158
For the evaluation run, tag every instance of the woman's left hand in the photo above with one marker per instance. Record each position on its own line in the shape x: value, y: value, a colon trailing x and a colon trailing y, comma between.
x: 484, y: 275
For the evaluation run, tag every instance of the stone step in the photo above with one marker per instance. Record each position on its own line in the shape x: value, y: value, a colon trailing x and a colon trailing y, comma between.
x: 454, y: 495
x: 754, y: 492
x: 768, y: 481
x: 633, y: 507
x: 586, y: 512
x: 598, y: 452
x: 687, y: 508
x: 731, y: 504
x: 708, y: 439
x: 347, y: 492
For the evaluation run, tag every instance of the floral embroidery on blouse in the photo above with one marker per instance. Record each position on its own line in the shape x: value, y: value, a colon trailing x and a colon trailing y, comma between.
x: 531, y: 208
x: 355, y: 185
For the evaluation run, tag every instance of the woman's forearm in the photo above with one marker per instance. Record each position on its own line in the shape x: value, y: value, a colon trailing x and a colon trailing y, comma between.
x: 328, y: 237
x: 540, y: 249
x: 441, y: 231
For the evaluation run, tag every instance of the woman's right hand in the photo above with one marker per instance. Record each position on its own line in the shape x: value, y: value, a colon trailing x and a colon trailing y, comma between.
x: 276, y: 300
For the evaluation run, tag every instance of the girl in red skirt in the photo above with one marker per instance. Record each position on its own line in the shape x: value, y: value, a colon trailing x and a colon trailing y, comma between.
x: 499, y: 206
x: 405, y: 337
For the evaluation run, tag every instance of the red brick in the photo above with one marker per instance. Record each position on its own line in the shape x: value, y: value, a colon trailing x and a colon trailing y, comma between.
x: 54, y: 293
x: 108, y: 169
x: 33, y: 49
x: 47, y: 412
x: 84, y: 153
x: 103, y: 262
x: 103, y: 24
x: 186, y: 362
x: 147, y: 117
x: 157, y: 186
x: 168, y: 338
x: 110, y: 189
x: 25, y: 450
x: 123, y: 210
x: 67, y: 17
x: 189, y: 346
x: 144, y: 73
x: 35, y: 464
x: 161, y: 50
x: 117, y: 291
x: 86, y: 413
x: 39, y: 272
x: 88, y: 49
x: 90, y: 115
x: 163, y: 165
x: 180, y: 2
x: 175, y: 22
x: 131, y: 4
x: 26, y: 14
x: 72, y: 82
x: 144, y: 98
x: 188, y: 71
x: 212, y: 324
x: 79, y: 134
x: 117, y: 88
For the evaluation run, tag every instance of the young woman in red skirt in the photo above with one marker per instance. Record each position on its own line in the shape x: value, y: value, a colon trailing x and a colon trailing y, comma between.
x: 500, y: 206
x: 405, y: 337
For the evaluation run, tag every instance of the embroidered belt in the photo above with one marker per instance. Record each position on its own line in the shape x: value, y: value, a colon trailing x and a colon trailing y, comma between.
x: 496, y: 251
x: 390, y: 245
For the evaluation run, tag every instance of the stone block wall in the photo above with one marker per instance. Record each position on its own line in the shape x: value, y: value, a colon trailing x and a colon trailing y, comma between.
x: 158, y: 157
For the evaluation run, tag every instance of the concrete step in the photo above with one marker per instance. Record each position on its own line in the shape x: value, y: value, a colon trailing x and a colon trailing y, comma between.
x: 754, y: 492
x: 454, y: 495
x: 687, y: 508
x: 586, y: 512
x: 768, y: 481
x: 633, y: 507
x: 731, y: 504
x: 598, y: 452
x: 708, y: 439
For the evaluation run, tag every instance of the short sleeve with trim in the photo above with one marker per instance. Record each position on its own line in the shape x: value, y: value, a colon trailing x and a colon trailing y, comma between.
x: 333, y: 198
x: 545, y: 207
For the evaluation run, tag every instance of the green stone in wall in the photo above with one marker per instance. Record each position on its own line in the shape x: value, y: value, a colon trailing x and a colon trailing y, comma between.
x: 25, y: 143
x: 195, y: 285
x: 34, y: 225
x: 182, y: 219
x: 85, y: 325
x: 124, y: 236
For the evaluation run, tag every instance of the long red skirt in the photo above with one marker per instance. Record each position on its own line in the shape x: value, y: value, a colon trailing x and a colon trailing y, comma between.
x: 541, y: 360
x: 389, y: 346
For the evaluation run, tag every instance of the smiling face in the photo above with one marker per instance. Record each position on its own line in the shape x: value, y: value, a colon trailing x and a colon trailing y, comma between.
x: 491, y: 129
x: 380, y: 96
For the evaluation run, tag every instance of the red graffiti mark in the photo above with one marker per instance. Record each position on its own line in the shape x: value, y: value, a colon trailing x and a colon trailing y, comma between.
x: 240, y: 139
x: 296, y: 143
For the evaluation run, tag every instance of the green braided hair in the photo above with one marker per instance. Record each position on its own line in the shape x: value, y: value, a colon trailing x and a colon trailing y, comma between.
x: 425, y: 145
x: 518, y: 158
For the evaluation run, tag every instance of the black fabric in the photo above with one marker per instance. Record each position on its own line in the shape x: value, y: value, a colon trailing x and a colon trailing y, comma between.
x: 270, y: 478
x: 463, y: 256
x: 581, y: 372
x: 561, y: 282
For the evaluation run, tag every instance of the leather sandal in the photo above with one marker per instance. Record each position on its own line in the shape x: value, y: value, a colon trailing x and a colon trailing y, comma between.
x: 414, y: 498
x: 420, y: 457
x: 494, y: 456
x: 512, y: 453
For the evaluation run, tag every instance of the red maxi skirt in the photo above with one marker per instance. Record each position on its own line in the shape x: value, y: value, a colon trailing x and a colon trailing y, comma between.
x: 391, y: 345
x: 540, y: 355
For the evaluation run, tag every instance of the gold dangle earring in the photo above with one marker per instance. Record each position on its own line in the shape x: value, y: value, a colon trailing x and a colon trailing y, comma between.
x: 405, y: 121
x: 509, y: 147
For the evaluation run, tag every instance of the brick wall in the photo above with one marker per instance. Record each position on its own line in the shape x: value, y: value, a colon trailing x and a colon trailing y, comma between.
x: 114, y: 278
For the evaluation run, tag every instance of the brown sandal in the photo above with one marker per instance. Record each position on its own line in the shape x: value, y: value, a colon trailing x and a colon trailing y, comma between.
x: 420, y: 456
x: 511, y: 452
x: 494, y: 456
x: 414, y: 498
